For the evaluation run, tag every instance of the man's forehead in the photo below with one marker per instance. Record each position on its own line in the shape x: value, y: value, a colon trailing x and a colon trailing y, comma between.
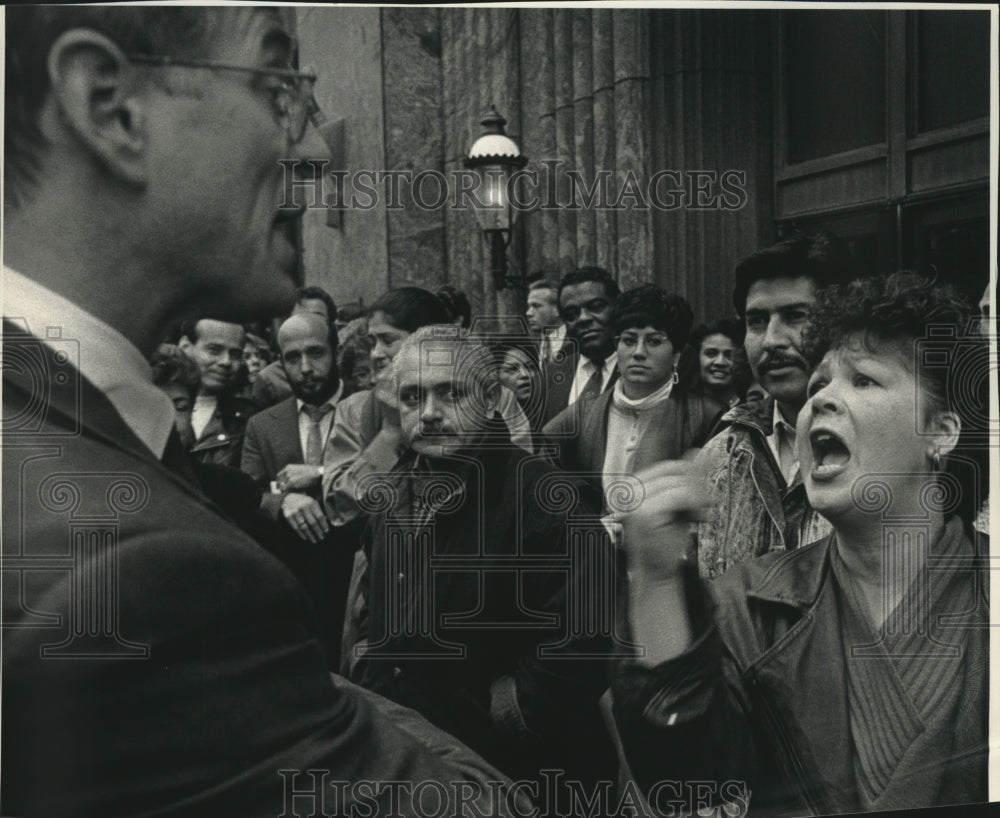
x: 584, y: 291
x: 774, y: 293
x: 210, y: 331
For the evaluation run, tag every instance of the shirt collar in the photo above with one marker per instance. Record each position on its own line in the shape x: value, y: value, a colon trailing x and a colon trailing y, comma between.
x: 589, y: 367
x: 106, y: 358
x: 782, y: 426
x: 331, y: 401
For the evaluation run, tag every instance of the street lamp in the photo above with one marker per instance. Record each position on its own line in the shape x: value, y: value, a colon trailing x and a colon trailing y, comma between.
x: 495, y: 156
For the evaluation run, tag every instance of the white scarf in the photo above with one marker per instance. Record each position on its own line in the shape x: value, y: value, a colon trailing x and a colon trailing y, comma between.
x: 641, y: 404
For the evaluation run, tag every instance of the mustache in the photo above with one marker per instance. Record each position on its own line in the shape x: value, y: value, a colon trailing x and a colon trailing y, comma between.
x: 779, y: 360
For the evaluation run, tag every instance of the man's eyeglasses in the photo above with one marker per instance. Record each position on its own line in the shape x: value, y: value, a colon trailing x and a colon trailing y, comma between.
x: 292, y: 97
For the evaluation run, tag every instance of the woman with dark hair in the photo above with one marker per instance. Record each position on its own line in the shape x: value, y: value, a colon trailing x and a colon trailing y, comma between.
x: 519, y: 371
x: 644, y: 418
x: 256, y: 355
x: 717, y: 362
x: 850, y: 674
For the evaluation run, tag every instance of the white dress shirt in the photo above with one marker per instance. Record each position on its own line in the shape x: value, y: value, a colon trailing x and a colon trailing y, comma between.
x: 325, y: 423
x: 584, y: 369
x: 782, y: 443
x: 105, y: 357
x: 551, y: 343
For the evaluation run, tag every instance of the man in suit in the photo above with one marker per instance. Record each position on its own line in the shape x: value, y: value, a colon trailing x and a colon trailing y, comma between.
x: 271, y: 384
x: 156, y: 660
x: 586, y: 365
x: 543, y: 319
x: 218, y: 416
x: 283, y: 452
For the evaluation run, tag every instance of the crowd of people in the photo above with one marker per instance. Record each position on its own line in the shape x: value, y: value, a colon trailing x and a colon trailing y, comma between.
x: 388, y: 545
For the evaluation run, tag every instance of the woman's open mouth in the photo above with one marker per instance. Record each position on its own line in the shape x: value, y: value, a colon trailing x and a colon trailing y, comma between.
x: 830, y: 454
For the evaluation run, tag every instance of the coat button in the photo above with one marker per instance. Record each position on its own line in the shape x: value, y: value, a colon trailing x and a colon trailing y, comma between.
x: 222, y: 437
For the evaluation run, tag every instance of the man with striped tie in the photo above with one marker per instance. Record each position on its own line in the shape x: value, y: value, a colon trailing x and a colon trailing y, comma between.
x: 283, y: 452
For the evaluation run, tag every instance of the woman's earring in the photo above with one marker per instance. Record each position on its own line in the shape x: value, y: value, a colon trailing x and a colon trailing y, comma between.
x: 676, y: 377
x: 936, y: 460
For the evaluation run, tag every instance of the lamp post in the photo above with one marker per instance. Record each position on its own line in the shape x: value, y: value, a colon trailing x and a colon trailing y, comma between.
x: 495, y: 156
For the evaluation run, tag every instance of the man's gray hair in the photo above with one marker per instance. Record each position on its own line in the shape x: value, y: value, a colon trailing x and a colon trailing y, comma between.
x: 450, y: 345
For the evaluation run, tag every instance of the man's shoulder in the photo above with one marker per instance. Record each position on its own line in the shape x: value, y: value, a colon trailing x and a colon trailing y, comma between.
x: 750, y: 420
x: 276, y: 414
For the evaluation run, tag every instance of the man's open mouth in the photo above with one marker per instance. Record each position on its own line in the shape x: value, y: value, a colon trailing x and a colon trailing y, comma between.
x: 829, y: 454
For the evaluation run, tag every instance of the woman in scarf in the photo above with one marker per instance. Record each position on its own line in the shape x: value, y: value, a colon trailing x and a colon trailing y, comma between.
x: 850, y: 674
x: 644, y: 417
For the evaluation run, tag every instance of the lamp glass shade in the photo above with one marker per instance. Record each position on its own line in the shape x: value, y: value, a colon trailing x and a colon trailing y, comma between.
x: 490, y: 202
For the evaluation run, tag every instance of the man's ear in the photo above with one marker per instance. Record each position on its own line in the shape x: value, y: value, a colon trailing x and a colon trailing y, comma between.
x: 96, y: 100
x: 944, y: 429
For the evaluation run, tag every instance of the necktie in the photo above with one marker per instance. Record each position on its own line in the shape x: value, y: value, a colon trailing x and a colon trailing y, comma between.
x: 593, y: 387
x: 314, y: 441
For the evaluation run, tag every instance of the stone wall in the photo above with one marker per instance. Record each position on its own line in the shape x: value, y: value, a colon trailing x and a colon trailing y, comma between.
x: 628, y: 92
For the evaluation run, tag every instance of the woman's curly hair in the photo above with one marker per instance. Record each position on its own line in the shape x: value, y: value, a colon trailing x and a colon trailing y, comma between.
x: 649, y: 306
x: 932, y: 327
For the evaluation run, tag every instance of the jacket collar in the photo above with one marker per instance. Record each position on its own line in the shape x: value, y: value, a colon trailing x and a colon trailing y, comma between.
x: 795, y: 578
x: 756, y: 415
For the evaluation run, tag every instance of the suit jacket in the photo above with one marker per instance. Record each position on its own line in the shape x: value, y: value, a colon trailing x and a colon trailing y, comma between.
x: 272, y: 442
x: 557, y: 377
x: 156, y: 659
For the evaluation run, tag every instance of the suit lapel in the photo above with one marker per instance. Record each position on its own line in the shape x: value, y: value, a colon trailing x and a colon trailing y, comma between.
x: 90, y: 411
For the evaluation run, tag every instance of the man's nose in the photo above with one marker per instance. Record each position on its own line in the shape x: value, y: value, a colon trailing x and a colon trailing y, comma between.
x: 776, y: 334
x: 431, y: 410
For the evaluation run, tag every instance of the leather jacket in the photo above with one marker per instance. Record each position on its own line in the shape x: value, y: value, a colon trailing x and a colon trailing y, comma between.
x: 758, y: 703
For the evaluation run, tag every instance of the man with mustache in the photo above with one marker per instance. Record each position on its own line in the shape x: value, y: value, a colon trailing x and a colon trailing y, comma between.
x: 283, y: 452
x: 760, y: 500
x: 464, y: 588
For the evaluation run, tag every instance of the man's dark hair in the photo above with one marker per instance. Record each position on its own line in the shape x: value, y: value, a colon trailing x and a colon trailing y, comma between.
x: 896, y: 312
x: 188, y: 329
x: 649, y: 306
x: 410, y: 308
x: 306, y: 293
x: 170, y: 365
x: 584, y: 274
x: 176, y: 31
x: 457, y: 304
x: 823, y: 257
x: 734, y: 330
x: 349, y: 312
